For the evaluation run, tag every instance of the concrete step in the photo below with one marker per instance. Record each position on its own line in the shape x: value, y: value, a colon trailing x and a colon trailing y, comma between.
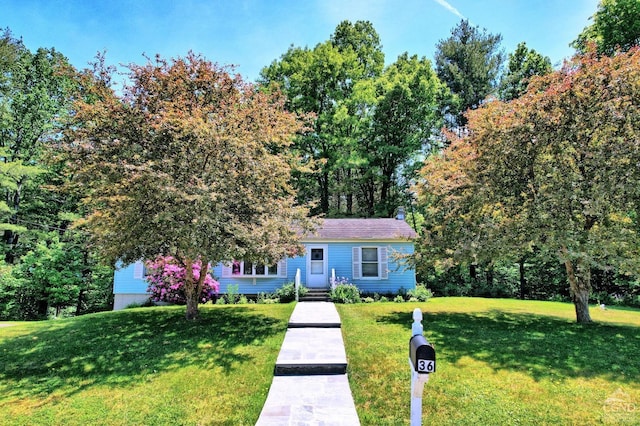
x: 309, y: 400
x: 319, y: 298
x: 300, y: 370
x: 316, y: 295
x: 315, y: 315
x: 312, y: 351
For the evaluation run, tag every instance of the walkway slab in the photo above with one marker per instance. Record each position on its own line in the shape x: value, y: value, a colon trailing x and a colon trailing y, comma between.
x: 309, y: 400
x: 315, y: 314
x: 310, y: 386
x: 312, y: 351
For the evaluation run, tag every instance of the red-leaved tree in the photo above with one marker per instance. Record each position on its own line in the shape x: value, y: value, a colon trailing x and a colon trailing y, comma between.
x: 186, y: 161
x: 556, y: 169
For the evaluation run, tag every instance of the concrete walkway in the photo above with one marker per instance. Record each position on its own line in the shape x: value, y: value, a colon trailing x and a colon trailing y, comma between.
x: 310, y: 386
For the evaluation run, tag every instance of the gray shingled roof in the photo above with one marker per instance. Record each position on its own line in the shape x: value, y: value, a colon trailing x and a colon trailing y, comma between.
x: 362, y: 229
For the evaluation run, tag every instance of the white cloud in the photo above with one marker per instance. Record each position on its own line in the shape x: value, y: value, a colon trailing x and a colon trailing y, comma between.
x: 447, y: 5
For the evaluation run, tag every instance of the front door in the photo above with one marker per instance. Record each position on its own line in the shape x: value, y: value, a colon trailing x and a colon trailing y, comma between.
x: 317, y: 266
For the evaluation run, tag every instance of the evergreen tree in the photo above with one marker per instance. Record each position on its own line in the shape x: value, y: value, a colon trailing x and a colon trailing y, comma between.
x: 469, y: 62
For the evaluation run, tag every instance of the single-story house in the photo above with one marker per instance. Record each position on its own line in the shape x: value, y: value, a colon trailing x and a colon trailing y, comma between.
x: 359, y: 250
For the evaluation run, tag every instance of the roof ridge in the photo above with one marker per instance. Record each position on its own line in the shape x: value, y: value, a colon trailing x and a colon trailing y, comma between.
x: 363, y: 228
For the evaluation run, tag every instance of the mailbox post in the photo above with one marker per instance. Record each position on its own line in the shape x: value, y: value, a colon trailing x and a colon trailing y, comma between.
x: 422, y: 359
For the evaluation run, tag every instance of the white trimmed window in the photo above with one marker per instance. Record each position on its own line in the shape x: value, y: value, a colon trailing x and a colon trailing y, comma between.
x: 244, y: 269
x: 139, y: 270
x: 370, y: 263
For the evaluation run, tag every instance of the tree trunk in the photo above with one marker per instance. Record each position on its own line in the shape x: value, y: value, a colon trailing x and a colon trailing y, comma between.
x: 384, y: 196
x: 473, y: 272
x: 489, y: 275
x: 11, y: 240
x: 192, y: 306
x: 385, y: 191
x: 190, y: 293
x: 337, y: 193
x: 10, y: 237
x: 193, y: 288
x: 42, y: 308
x: 349, y: 194
x: 413, y: 215
x: 86, y: 280
x: 368, y: 193
x: 523, y: 280
x: 579, y: 276
x: 79, y: 302
x: 323, y: 180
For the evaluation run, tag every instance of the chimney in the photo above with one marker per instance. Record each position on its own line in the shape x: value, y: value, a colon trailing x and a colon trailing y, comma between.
x: 400, y: 215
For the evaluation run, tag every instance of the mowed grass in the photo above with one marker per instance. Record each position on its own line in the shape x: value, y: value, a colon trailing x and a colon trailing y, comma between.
x: 144, y: 366
x: 499, y: 362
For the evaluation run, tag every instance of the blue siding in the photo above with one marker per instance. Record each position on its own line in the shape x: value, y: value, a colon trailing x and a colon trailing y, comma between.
x: 253, y: 285
x: 339, y: 258
x: 123, y: 281
x: 261, y: 285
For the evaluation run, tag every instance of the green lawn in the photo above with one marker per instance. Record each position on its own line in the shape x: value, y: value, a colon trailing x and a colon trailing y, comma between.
x: 498, y: 362
x: 142, y: 366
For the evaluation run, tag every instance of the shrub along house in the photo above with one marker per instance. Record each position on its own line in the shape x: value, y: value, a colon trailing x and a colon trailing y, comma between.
x: 358, y: 250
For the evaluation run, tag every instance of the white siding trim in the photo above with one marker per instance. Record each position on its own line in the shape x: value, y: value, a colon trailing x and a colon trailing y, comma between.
x: 356, y: 265
x: 226, y: 270
x: 138, y: 270
x: 383, y: 262
x: 282, y: 268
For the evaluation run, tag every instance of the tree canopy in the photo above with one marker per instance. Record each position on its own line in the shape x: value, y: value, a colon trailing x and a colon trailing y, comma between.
x: 35, y: 93
x: 405, y: 117
x: 554, y: 169
x: 469, y: 62
x: 192, y: 163
x: 616, y: 26
x: 321, y: 81
x: 188, y: 162
x: 523, y: 64
x: 370, y: 121
x: 47, y: 265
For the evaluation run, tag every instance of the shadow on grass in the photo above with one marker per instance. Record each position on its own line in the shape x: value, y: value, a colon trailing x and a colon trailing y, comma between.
x: 541, y: 346
x: 121, y: 348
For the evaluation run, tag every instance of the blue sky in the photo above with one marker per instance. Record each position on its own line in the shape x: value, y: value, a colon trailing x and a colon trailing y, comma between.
x: 253, y: 33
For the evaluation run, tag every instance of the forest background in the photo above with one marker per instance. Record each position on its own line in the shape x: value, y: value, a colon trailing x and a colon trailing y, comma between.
x: 374, y: 143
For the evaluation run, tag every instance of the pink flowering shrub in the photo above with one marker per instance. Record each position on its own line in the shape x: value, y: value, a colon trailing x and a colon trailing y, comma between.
x: 166, y: 281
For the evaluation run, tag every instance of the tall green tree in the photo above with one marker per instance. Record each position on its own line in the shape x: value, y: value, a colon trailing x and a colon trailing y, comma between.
x: 363, y: 40
x: 321, y: 81
x: 35, y: 96
x: 523, y: 64
x: 616, y: 26
x: 554, y: 169
x: 187, y: 162
x: 405, y: 114
x: 36, y: 93
x: 369, y: 121
x: 469, y: 62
